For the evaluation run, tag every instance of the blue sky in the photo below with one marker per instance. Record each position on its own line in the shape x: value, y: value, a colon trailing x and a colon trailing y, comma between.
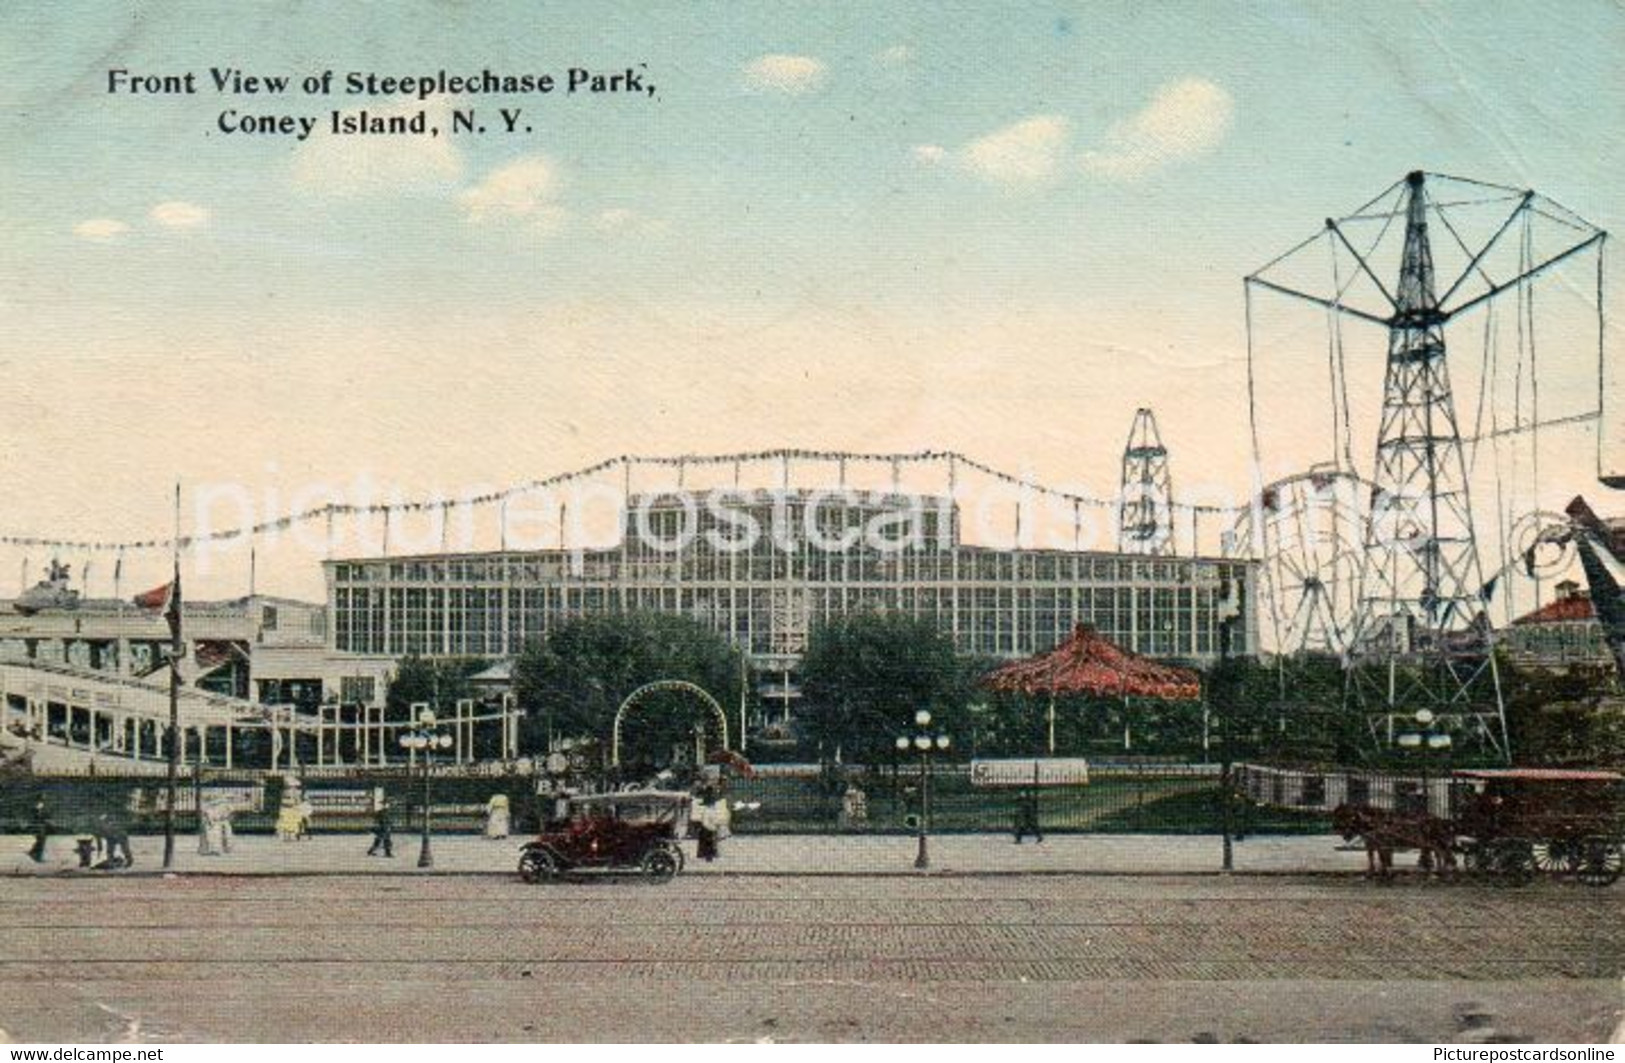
x: 998, y: 228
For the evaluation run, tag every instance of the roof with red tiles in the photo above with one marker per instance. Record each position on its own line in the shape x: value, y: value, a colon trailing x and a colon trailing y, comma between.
x: 1575, y: 608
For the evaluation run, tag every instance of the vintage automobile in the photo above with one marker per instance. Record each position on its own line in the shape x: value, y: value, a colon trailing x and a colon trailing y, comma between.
x: 635, y: 830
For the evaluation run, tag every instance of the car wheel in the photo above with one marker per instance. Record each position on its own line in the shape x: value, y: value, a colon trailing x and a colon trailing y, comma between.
x: 538, y: 865
x: 659, y: 864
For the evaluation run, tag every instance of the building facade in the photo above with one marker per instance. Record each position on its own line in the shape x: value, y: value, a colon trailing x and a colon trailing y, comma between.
x: 272, y: 682
x: 252, y: 648
x: 1562, y: 634
x: 766, y: 568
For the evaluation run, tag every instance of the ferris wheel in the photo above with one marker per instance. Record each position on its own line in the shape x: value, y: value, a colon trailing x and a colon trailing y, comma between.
x: 1306, y: 532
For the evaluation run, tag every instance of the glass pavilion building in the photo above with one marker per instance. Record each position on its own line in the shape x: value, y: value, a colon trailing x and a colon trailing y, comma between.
x: 763, y: 568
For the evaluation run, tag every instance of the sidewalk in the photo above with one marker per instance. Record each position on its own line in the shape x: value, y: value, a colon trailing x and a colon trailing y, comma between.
x: 751, y: 854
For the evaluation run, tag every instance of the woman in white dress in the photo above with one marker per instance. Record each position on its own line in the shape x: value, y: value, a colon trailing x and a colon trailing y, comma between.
x: 497, y: 819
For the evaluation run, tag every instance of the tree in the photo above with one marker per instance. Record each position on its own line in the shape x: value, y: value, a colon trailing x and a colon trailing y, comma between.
x: 441, y: 683
x: 570, y: 683
x: 865, y: 675
x: 415, y: 680
x: 1563, y: 718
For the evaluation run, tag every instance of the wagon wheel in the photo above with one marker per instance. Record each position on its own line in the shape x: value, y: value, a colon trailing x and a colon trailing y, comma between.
x: 1514, y: 861
x: 538, y: 865
x: 1556, y: 857
x: 1598, y: 861
x: 659, y: 864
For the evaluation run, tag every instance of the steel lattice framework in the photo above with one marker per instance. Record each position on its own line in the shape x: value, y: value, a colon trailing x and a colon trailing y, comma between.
x: 1420, y: 636
x: 1144, y: 511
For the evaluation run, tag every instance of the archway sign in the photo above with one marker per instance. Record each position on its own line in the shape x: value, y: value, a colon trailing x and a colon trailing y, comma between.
x: 659, y: 685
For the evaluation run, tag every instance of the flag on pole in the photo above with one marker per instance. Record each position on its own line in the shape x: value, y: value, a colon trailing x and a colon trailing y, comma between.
x: 155, y: 599
x: 172, y: 611
x: 166, y: 598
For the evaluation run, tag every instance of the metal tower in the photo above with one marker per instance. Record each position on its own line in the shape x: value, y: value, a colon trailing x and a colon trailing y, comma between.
x: 1420, y: 636
x: 1145, y: 519
x: 1421, y: 620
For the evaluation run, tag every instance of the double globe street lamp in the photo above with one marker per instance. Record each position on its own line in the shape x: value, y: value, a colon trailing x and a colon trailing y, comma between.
x: 1425, y: 738
x: 924, y: 741
x: 422, y: 740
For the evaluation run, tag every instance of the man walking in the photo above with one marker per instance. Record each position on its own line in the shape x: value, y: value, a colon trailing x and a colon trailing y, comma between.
x: 1027, y: 817
x: 40, y: 824
x: 383, y: 827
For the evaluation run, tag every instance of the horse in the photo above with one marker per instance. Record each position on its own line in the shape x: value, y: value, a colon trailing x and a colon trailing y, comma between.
x: 1383, y: 831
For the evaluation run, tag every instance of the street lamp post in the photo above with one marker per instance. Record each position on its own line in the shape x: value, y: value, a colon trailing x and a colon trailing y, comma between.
x: 924, y: 741
x: 1427, y: 740
x: 425, y: 738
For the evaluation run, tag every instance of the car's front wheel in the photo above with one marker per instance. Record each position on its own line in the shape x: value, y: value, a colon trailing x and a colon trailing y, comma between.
x: 659, y: 864
x: 538, y: 865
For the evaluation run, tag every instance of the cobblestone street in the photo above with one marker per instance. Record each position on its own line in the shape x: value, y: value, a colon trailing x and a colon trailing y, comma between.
x: 803, y: 958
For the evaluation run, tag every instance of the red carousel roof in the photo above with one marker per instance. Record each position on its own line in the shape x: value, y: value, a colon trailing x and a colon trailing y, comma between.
x: 1089, y: 663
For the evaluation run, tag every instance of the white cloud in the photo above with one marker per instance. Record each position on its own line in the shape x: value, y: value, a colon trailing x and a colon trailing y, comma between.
x: 101, y: 229
x: 1184, y: 118
x: 898, y: 55
x: 179, y: 215
x: 626, y: 220
x: 928, y: 154
x: 521, y: 189
x: 1026, y: 153
x: 546, y: 219
x: 356, y: 165
x: 793, y: 74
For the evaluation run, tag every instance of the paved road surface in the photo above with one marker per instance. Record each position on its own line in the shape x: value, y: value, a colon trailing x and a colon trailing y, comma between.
x: 802, y: 958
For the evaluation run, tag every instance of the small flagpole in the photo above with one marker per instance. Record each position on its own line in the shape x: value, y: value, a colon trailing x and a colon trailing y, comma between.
x: 173, y: 615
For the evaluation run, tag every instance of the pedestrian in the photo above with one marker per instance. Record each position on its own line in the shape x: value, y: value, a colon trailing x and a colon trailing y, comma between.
x: 383, y: 830
x: 710, y: 825
x: 208, y: 826
x: 707, y: 848
x: 39, y: 823
x: 1027, y: 817
x: 307, y: 814
x: 115, y: 838
x: 497, y: 819
x: 214, y: 826
x: 854, y: 809
x: 288, y: 815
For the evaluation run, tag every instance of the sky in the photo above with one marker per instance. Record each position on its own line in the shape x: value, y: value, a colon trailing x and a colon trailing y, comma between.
x: 997, y: 229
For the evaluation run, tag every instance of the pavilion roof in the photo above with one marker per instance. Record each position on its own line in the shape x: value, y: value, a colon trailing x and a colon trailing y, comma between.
x: 1089, y: 663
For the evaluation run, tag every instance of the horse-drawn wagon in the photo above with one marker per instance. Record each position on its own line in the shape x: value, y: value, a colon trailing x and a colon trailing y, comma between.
x: 1507, y: 824
x: 1516, y: 823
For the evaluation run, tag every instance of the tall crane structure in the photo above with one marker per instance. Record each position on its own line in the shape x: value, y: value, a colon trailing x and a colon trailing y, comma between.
x: 1145, y: 518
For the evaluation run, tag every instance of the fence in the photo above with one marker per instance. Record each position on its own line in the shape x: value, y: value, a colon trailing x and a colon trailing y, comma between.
x: 75, y: 802
x: 1322, y: 790
x: 1123, y: 796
